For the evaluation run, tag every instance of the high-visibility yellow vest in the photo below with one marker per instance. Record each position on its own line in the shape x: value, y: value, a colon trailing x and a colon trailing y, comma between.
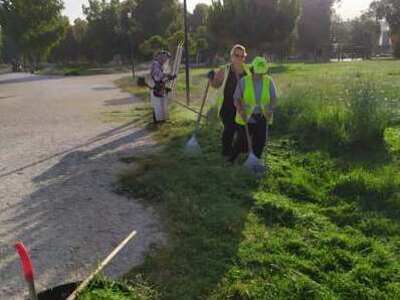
x: 220, y: 93
x: 249, y: 98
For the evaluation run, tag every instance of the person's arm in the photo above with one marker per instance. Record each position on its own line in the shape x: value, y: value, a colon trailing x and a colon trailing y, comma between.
x: 238, y: 98
x: 157, y: 73
x: 218, y: 78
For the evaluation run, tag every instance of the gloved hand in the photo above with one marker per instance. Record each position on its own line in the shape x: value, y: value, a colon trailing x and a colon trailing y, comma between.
x: 171, y: 76
x: 211, y: 75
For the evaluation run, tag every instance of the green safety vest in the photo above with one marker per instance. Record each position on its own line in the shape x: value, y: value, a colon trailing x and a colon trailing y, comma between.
x: 220, y: 93
x: 249, y: 98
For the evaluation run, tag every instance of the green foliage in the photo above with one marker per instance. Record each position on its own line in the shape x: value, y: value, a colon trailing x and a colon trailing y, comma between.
x: 101, y: 289
x: 256, y: 24
x: 152, y: 45
x: 365, y: 32
x: 72, y: 47
x: 392, y: 139
x: 360, y: 34
x: 314, y: 26
x: 35, y: 26
x: 104, y: 30
x: 199, y: 16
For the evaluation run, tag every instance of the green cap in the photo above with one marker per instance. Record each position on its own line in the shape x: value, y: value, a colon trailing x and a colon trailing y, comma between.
x: 259, y: 65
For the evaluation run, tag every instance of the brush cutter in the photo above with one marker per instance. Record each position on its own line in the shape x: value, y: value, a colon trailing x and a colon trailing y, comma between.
x: 192, y: 146
x: 253, y: 163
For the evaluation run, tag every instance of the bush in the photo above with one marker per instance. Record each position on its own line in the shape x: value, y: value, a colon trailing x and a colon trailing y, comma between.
x: 368, y: 116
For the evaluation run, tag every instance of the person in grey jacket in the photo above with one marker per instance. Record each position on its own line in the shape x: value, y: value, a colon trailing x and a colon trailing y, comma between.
x: 158, y: 95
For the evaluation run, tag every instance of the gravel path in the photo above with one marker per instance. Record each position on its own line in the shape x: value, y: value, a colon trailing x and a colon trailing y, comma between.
x: 58, y: 164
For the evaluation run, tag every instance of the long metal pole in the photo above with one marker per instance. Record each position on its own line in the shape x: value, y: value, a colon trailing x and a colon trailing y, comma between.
x: 186, y: 53
x: 130, y: 31
x: 132, y: 61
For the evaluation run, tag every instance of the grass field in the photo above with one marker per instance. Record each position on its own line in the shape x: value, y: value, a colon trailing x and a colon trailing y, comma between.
x: 322, y: 224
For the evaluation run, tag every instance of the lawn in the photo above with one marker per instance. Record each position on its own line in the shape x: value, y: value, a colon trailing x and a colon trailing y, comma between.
x: 322, y: 224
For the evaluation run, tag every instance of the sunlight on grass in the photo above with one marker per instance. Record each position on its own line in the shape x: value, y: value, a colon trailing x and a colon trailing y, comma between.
x: 322, y: 224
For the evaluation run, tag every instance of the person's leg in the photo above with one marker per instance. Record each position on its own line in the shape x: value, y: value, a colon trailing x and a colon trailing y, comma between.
x: 163, y: 108
x: 259, y: 136
x: 230, y: 127
x: 165, y: 103
x: 158, y: 108
x: 239, y: 143
x: 154, y: 117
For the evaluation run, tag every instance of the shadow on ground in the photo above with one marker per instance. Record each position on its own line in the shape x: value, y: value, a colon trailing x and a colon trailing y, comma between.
x: 25, y: 77
x: 121, y: 101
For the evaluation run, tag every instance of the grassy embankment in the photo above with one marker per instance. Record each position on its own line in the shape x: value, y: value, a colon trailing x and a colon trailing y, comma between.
x: 322, y: 224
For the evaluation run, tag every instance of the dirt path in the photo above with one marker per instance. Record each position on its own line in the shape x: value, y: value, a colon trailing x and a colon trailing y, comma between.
x: 58, y: 163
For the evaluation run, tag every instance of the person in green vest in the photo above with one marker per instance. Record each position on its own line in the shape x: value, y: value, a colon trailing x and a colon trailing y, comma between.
x: 225, y: 80
x: 255, y: 100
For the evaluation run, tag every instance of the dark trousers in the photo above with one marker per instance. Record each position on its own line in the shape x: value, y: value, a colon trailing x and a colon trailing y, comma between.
x: 258, y: 134
x: 228, y: 119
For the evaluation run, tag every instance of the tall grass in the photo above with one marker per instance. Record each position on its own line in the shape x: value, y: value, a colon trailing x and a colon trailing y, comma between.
x: 354, y: 118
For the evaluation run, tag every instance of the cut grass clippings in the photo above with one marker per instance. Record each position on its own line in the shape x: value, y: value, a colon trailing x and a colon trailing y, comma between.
x: 323, y: 223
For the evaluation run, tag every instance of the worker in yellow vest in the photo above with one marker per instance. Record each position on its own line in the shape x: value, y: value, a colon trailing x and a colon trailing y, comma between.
x: 226, y: 80
x: 255, y: 101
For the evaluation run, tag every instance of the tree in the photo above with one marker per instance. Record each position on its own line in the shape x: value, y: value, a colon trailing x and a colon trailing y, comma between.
x: 359, y: 37
x: 154, y: 17
x: 365, y: 33
x: 36, y: 26
x: 72, y: 47
x: 199, y: 16
x: 314, y: 31
x: 200, y: 38
x: 257, y: 24
x: 152, y: 45
x: 103, y: 37
x: 341, y: 30
x: 390, y: 10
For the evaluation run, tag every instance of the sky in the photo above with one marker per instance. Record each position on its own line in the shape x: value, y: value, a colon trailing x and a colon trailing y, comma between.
x: 348, y: 9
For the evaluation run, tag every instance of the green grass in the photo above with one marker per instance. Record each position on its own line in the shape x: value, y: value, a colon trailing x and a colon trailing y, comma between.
x: 322, y: 224
x: 102, y: 289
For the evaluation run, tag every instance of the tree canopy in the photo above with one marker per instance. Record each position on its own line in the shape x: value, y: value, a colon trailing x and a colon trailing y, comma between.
x: 257, y: 24
x: 119, y: 28
x: 35, y: 26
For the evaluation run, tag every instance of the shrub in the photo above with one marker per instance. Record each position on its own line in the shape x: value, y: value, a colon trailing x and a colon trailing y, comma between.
x: 368, y: 115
